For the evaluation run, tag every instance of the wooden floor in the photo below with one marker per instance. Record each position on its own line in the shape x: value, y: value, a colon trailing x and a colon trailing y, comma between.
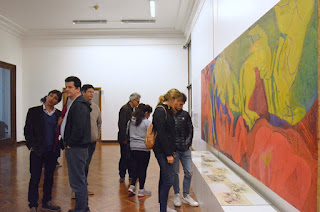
x: 109, y: 194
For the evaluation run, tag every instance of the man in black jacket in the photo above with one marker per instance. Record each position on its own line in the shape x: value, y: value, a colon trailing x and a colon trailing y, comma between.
x: 184, y: 135
x: 125, y: 115
x: 76, y: 135
x: 40, y: 131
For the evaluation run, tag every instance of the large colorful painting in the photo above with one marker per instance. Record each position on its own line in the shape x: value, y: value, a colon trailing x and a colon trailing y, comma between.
x: 260, y: 101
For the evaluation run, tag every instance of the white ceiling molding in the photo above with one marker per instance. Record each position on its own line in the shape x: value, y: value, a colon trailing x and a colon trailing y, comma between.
x: 11, y: 27
x: 185, y: 8
x: 102, y: 42
x: 194, y: 14
x: 175, y: 19
x: 103, y: 33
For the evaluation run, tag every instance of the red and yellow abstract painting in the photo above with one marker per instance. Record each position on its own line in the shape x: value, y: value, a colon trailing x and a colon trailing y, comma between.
x: 260, y: 101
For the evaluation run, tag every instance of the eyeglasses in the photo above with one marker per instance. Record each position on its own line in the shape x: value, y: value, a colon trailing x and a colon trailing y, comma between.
x: 138, y: 101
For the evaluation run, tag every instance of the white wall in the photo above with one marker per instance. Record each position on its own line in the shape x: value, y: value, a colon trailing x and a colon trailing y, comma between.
x: 201, y: 55
x: 119, y: 66
x: 11, y: 52
x: 233, y: 17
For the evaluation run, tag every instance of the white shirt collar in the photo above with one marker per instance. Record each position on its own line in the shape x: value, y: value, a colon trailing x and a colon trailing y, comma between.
x: 47, y: 112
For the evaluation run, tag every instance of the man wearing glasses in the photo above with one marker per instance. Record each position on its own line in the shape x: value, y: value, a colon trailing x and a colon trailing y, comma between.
x: 125, y: 114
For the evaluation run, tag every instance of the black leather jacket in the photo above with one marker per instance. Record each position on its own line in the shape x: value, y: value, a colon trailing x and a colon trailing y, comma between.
x: 184, y: 130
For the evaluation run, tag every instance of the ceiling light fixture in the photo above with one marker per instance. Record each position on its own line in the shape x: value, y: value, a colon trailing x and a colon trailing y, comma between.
x: 89, y: 21
x: 138, y: 21
x: 96, y: 7
x: 153, y: 8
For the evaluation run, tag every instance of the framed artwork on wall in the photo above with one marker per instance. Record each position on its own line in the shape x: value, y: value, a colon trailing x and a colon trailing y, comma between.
x: 260, y: 100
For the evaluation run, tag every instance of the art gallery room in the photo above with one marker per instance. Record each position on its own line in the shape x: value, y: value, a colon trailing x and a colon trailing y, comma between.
x: 249, y: 71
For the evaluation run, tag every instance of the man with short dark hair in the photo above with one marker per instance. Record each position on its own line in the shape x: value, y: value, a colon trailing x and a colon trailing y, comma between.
x: 184, y: 135
x: 76, y: 135
x: 87, y: 91
x: 40, y: 130
x: 125, y: 115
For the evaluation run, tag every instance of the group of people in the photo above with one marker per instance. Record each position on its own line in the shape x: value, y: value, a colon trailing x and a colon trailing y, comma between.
x: 77, y: 128
x: 174, y: 130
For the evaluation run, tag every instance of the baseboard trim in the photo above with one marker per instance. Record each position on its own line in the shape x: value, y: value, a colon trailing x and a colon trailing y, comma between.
x: 109, y: 141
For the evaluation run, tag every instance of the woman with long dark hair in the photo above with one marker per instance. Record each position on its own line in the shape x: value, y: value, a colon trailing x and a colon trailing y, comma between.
x: 137, y: 127
x: 40, y: 131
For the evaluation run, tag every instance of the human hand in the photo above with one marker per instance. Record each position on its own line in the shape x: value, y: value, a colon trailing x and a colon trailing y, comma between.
x: 170, y: 159
x: 60, y: 120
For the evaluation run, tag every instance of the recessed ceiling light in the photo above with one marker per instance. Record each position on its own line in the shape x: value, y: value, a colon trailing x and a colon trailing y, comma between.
x: 152, y: 8
x: 138, y: 21
x: 89, y: 21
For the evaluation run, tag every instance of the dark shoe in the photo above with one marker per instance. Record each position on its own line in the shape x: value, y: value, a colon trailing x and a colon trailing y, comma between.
x: 33, y: 209
x: 72, y: 210
x: 50, y: 206
x: 121, y: 180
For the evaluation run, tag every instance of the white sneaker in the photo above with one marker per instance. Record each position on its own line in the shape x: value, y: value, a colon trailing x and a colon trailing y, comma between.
x: 177, y: 200
x: 132, y: 189
x: 171, y: 210
x: 188, y: 200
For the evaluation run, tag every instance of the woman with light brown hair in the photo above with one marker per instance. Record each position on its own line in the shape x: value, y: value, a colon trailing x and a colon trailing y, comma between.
x: 164, y: 147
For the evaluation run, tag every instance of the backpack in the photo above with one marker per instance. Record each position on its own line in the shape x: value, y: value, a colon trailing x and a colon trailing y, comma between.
x: 151, y: 135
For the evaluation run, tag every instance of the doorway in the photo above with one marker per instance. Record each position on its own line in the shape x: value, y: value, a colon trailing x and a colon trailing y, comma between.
x: 7, y: 103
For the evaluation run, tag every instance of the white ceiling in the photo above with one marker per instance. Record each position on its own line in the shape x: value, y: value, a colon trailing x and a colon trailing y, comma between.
x: 47, y: 17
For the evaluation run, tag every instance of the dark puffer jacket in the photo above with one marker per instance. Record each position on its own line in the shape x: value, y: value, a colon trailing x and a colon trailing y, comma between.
x: 184, y: 130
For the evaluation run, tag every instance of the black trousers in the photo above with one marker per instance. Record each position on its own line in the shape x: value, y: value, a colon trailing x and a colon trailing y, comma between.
x: 49, y: 159
x: 141, y: 161
x: 126, y: 162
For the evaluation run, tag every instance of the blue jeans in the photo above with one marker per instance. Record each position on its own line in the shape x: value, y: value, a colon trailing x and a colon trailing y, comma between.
x: 165, y: 181
x: 91, y: 149
x: 76, y: 160
x: 186, y: 162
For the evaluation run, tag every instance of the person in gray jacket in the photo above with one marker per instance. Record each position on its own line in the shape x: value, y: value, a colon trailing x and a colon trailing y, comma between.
x: 137, y: 128
x: 95, y: 116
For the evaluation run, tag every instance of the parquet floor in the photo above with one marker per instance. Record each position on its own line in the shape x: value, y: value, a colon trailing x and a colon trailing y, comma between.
x: 110, y: 195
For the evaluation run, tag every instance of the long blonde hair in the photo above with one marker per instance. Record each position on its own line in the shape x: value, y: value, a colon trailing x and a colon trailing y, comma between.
x: 170, y: 95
